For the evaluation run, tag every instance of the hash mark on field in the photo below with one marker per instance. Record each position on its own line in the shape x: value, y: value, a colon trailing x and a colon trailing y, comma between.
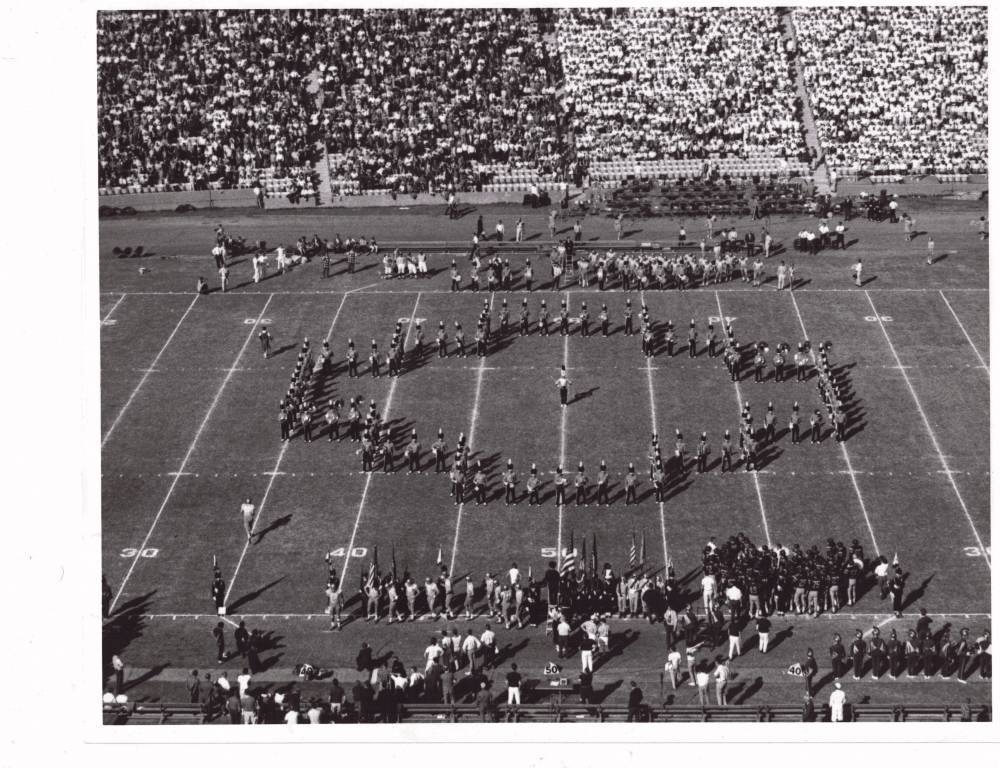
x: 739, y: 407
x: 273, y: 474
x: 145, y: 376
x: 368, y: 480
x: 843, y: 448
x: 473, y: 420
x: 187, y: 456
x: 968, y: 338
x: 933, y: 437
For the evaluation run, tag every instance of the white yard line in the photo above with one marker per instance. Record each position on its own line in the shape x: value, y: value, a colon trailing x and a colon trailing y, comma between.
x: 368, y: 479
x: 930, y: 432
x: 968, y: 338
x: 273, y: 474
x: 148, y: 371
x: 473, y: 420
x: 739, y: 407
x: 180, y: 471
x: 113, y: 308
x: 843, y: 447
x: 562, y: 445
x: 655, y: 424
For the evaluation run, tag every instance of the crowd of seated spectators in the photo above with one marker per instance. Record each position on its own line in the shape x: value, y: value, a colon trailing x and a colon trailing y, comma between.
x: 417, y: 100
x: 683, y: 83
x: 199, y: 97
x: 897, y: 87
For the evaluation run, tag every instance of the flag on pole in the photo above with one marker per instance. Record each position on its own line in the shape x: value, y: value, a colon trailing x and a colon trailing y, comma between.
x: 569, y: 561
x: 529, y: 575
x: 642, y: 552
x: 440, y: 560
x: 583, y: 557
x: 569, y: 556
x: 593, y: 555
x: 215, y: 562
x: 394, y: 562
x: 373, y: 570
x: 633, y: 553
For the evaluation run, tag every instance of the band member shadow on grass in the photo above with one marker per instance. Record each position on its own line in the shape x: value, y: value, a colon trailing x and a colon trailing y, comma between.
x: 617, y: 643
x: 249, y: 596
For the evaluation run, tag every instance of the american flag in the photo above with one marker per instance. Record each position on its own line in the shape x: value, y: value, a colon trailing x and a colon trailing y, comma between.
x: 633, y: 553
x: 373, y: 570
x: 569, y: 561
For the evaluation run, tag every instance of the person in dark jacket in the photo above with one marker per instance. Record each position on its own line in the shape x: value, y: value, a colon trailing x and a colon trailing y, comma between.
x: 194, y: 687
x: 364, y: 661
x: 634, y: 702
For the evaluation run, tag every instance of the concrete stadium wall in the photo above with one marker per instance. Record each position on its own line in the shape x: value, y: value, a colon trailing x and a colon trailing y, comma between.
x: 168, y: 201
x: 244, y: 198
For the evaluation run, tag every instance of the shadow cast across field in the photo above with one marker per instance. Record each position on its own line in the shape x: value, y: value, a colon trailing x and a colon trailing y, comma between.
x: 249, y: 596
x: 618, y: 645
x: 280, y: 522
x: 122, y: 627
x: 743, y: 691
x: 509, y: 651
x: 917, y: 594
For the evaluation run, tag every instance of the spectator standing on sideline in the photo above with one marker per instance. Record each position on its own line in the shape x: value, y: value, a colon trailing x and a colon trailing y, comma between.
x: 483, y: 702
x: 219, y: 634
x: 763, y: 633
x: 194, y: 687
x: 722, y: 674
x: 837, y: 701
x: 513, y: 688
x: 701, y: 678
x: 809, y: 670
x: 119, y: 667
x: 673, y: 665
x: 634, y: 702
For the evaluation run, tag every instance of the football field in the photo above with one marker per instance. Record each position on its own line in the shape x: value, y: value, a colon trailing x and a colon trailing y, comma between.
x: 189, y: 418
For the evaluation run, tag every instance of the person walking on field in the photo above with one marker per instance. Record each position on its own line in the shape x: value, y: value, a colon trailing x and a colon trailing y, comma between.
x: 249, y: 511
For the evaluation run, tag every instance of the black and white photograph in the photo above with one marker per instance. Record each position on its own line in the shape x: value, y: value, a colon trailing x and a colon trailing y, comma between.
x: 470, y: 370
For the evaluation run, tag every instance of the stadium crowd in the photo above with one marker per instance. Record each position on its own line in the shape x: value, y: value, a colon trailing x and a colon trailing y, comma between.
x: 683, y: 83
x: 418, y: 100
x: 897, y: 87
x: 204, y: 96
x: 438, y: 100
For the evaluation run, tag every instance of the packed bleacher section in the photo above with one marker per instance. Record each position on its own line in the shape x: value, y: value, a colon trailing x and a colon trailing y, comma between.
x: 205, y: 99
x: 418, y: 100
x: 432, y: 100
x: 900, y: 88
x: 682, y: 83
